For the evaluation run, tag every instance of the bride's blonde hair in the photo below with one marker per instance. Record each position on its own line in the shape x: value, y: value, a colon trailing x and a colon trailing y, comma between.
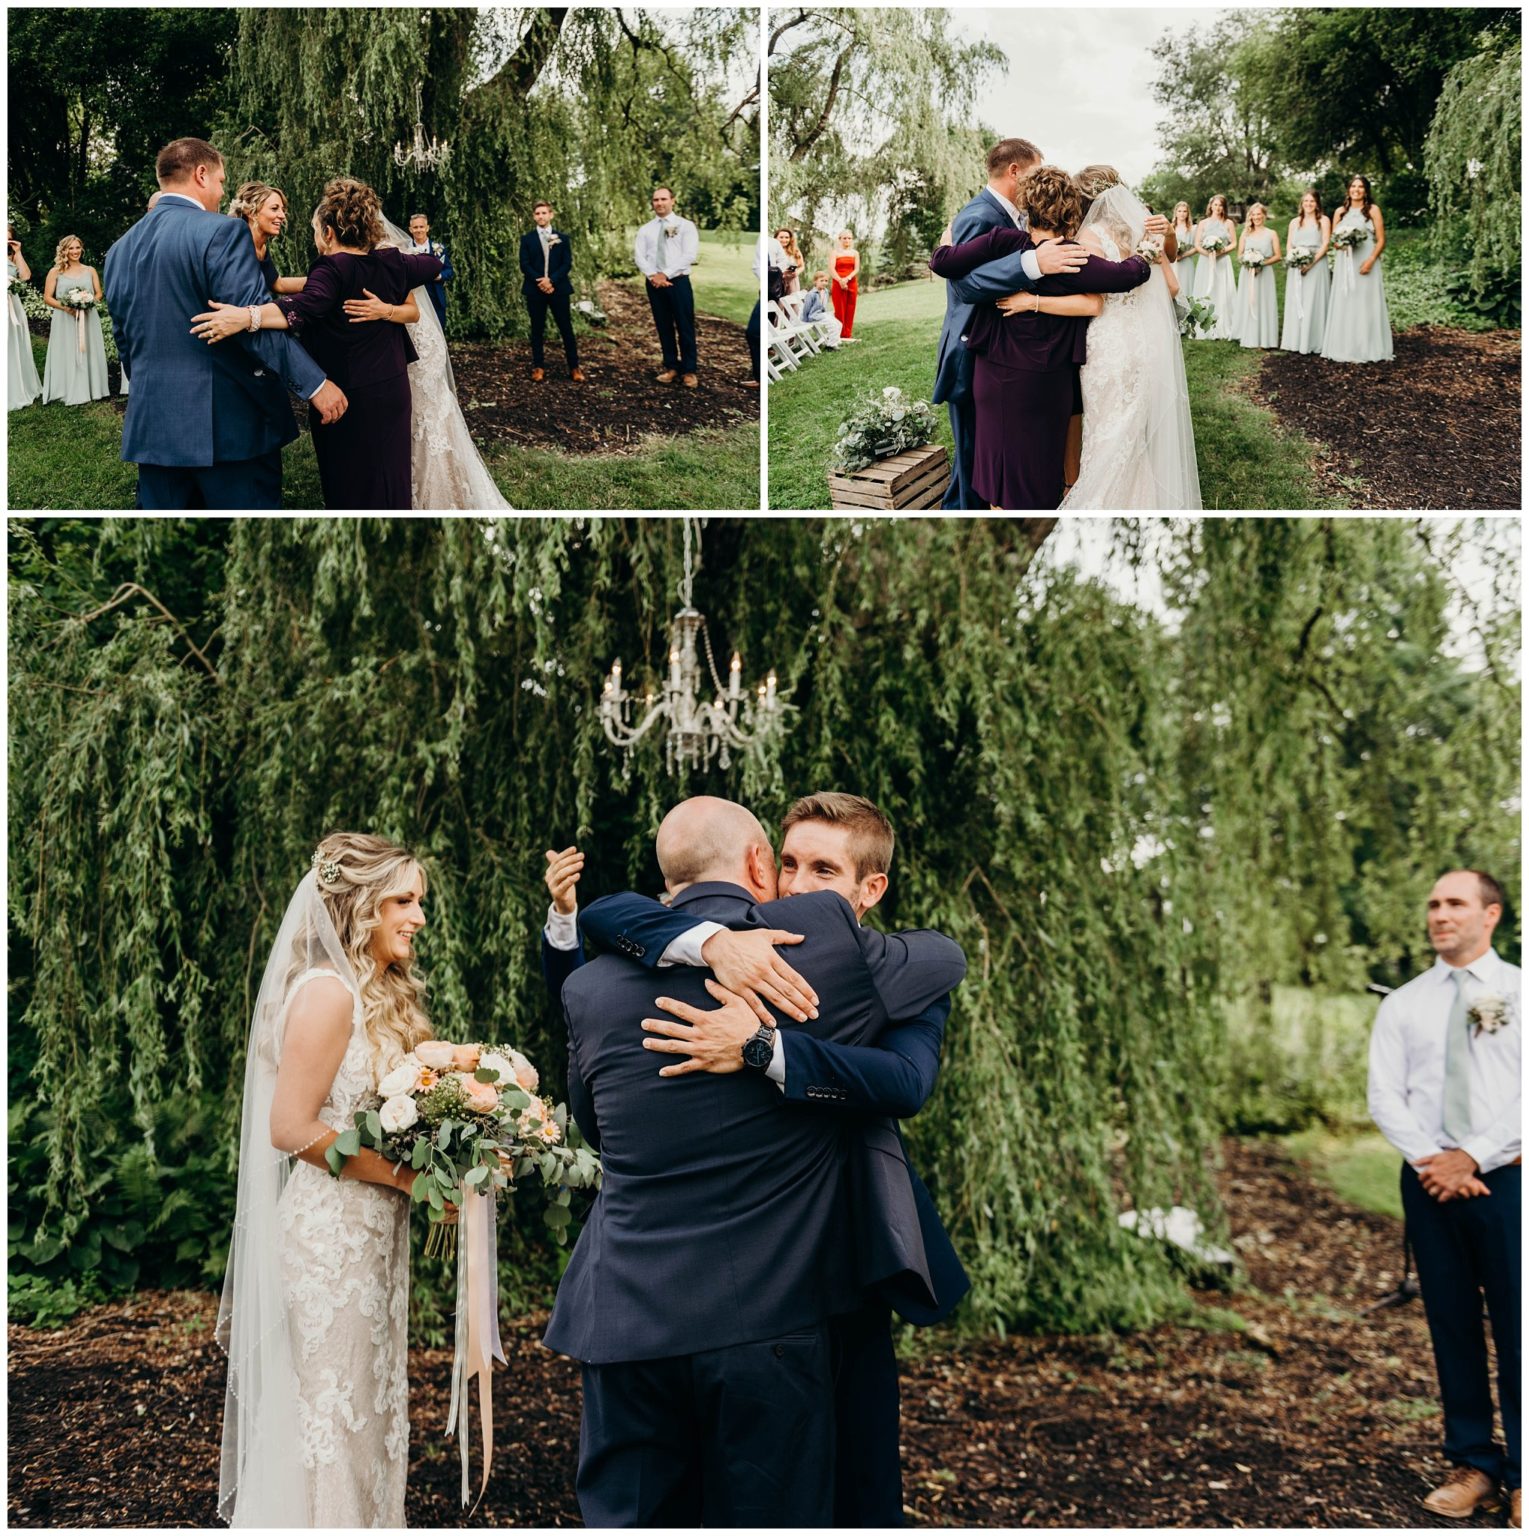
x: 356, y: 873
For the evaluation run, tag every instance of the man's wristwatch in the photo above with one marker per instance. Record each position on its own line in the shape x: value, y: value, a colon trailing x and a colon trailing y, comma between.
x: 759, y: 1048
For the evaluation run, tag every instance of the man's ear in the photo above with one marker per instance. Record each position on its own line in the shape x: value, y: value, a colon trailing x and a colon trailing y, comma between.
x: 761, y: 864
x: 872, y: 889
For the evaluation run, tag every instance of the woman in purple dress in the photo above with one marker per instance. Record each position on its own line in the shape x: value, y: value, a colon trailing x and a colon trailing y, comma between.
x: 364, y: 457
x: 1030, y: 346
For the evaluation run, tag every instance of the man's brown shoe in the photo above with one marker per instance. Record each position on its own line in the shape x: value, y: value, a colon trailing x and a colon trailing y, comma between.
x: 538, y: 374
x: 667, y: 375
x: 1459, y: 1494
x: 577, y: 375
x: 1517, y: 1505
x: 690, y: 381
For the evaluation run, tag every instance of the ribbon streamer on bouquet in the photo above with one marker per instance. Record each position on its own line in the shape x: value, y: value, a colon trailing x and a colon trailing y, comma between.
x: 477, y: 1342
x: 1348, y: 269
x: 79, y: 314
x: 17, y: 313
x: 1300, y: 294
x: 1250, y: 285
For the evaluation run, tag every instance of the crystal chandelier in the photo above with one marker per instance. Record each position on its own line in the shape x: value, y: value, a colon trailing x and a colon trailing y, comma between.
x: 423, y: 154
x: 698, y: 730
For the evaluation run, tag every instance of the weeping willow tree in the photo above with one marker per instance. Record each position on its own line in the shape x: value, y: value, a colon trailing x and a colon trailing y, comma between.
x: 869, y: 120
x: 586, y: 107
x: 192, y: 705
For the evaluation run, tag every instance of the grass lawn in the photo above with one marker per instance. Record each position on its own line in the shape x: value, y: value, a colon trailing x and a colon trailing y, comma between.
x: 65, y: 458
x: 1361, y: 1167
x: 1245, y: 460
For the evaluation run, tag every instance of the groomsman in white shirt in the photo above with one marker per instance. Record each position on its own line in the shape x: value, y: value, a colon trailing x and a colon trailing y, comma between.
x: 1445, y: 1057
x: 666, y: 250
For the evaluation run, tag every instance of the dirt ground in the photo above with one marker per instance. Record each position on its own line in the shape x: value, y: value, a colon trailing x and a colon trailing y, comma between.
x: 1315, y: 1414
x: 1437, y: 429
x: 619, y: 409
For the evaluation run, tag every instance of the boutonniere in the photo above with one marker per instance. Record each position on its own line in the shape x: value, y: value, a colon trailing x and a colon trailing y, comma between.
x: 554, y: 238
x: 1489, y: 1013
x: 437, y: 248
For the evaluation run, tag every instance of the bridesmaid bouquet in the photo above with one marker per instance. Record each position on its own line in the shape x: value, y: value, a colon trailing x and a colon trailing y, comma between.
x: 1350, y: 237
x: 1252, y: 260
x: 460, y: 1115
x: 1300, y: 256
x: 1214, y: 245
x: 1198, y: 316
x: 79, y: 298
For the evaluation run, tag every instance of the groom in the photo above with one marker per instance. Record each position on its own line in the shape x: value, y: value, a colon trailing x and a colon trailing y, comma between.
x: 205, y: 425
x: 546, y: 260
x: 699, y: 1294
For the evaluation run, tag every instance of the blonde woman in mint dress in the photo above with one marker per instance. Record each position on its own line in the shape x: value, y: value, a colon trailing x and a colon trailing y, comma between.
x: 76, y: 368
x: 1306, y: 292
x: 1257, y: 306
x: 1216, y: 277
x: 1186, y: 264
x: 1358, y: 322
x: 22, y: 385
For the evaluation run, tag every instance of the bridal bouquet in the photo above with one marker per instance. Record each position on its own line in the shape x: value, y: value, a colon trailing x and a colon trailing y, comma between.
x: 881, y: 425
x: 461, y: 1115
x: 1350, y: 237
x: 1214, y: 245
x: 1149, y: 248
x: 1199, y: 316
x: 1300, y: 256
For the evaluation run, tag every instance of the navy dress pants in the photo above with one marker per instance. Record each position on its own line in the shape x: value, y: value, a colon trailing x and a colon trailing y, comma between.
x: 959, y: 495
x: 753, y: 335
x: 868, y: 1483
x: 561, y: 305
x: 674, y: 317
x: 247, y: 485
x: 1467, y: 1250
x: 741, y: 1437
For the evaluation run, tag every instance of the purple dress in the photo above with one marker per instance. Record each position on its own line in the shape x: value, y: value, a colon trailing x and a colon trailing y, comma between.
x: 364, y: 456
x: 1025, y: 384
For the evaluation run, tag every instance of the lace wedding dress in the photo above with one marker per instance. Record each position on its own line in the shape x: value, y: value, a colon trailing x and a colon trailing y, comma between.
x: 447, y: 473
x: 316, y: 1299
x: 1138, y: 438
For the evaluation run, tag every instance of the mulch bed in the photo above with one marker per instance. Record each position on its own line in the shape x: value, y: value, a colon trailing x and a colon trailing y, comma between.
x: 1436, y: 429
x: 620, y: 409
x: 1318, y: 1414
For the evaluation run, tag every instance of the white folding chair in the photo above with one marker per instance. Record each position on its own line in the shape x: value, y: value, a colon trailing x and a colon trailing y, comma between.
x: 779, y: 358
x: 790, y: 305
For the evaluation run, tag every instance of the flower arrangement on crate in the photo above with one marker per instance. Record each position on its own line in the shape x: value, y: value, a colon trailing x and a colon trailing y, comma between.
x: 881, y: 425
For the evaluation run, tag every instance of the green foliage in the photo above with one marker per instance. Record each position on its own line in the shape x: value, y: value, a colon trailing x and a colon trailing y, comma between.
x: 437, y: 681
x: 586, y: 107
x: 1475, y: 149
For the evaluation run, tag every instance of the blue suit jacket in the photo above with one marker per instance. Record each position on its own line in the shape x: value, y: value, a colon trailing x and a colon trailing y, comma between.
x: 559, y: 262
x: 954, y: 364
x: 437, y: 289
x: 193, y: 404
x: 720, y: 1218
x: 876, y: 1084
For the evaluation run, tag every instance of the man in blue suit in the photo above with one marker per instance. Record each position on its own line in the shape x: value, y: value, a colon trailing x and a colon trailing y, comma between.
x: 1008, y: 162
x: 205, y: 424
x: 546, y: 262
x: 699, y: 1294
x: 905, y: 1261
x: 419, y: 233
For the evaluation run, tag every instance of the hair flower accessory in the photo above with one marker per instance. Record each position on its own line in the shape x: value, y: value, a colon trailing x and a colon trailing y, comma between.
x: 328, y: 870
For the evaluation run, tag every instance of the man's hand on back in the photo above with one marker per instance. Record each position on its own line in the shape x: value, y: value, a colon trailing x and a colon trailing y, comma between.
x: 563, y: 871
x: 1060, y: 256
x: 747, y: 965
x: 711, y: 1039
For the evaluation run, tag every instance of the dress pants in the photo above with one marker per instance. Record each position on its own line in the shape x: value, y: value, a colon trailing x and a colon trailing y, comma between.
x: 753, y: 335
x: 674, y: 316
x: 244, y: 485
x: 868, y: 1481
x: 1467, y: 1249
x: 561, y: 305
x: 959, y: 495
x: 742, y: 1437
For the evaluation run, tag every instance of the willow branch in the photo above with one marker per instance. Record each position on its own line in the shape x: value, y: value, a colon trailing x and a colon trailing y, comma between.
x: 803, y: 149
x: 129, y: 590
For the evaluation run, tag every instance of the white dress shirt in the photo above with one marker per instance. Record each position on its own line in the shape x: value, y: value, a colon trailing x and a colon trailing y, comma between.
x: 1029, y: 261
x: 672, y: 254
x: 562, y: 932
x: 1407, y: 1059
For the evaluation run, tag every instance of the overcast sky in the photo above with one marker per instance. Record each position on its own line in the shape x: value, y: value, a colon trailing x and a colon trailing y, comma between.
x: 1079, y: 82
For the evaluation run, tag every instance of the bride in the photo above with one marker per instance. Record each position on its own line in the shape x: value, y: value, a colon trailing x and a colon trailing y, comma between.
x: 1138, y: 438
x: 316, y: 1297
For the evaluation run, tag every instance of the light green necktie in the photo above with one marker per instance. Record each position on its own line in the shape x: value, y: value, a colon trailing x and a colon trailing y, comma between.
x: 1457, y: 1066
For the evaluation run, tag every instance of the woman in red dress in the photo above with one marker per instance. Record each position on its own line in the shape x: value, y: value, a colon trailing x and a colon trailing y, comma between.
x: 846, y: 283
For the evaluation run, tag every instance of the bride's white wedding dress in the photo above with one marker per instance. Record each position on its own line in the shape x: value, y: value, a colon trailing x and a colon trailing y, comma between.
x: 316, y: 1299
x: 446, y: 472
x: 1138, y: 438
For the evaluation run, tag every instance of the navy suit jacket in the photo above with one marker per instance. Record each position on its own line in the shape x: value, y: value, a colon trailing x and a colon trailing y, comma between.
x: 436, y: 287
x: 559, y: 263
x: 192, y: 404
x: 721, y: 1215
x: 875, y: 1085
x: 954, y: 365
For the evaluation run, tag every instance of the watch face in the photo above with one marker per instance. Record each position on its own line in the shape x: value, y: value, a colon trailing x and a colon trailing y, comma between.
x: 757, y: 1052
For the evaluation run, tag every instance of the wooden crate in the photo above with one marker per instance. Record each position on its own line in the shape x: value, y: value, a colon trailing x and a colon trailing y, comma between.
x: 909, y: 481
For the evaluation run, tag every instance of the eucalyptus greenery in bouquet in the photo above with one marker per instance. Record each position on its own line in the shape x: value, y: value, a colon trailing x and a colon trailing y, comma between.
x: 1199, y: 316
x: 881, y: 425
x: 1350, y: 237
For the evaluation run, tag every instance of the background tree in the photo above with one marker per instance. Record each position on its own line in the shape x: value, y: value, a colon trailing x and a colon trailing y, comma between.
x: 869, y: 113
x: 193, y: 703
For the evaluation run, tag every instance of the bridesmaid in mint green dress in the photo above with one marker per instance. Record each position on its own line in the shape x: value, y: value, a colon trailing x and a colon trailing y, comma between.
x: 22, y: 385
x: 1186, y: 264
x: 73, y: 374
x: 1306, y: 292
x: 1358, y: 322
x: 1257, y: 305
x: 1216, y: 277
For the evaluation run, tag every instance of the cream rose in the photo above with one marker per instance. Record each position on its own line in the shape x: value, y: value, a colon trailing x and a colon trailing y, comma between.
x: 525, y: 1073
x: 399, y: 1114
x: 483, y: 1097
x: 404, y: 1078
x: 439, y: 1054
x: 492, y: 1061
x: 464, y: 1058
